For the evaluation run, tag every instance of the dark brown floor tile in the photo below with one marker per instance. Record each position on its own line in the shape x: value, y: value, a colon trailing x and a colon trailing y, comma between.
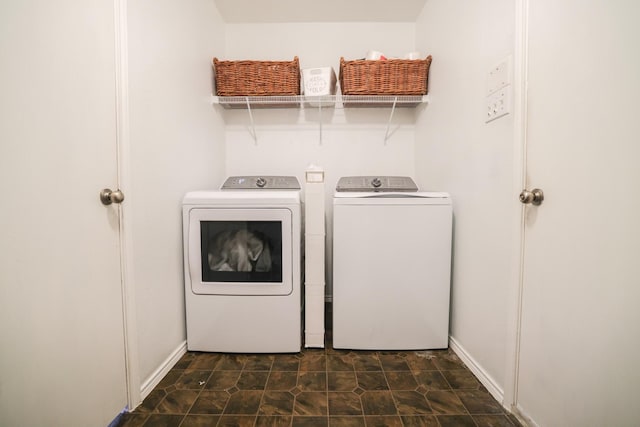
x: 431, y: 380
x: 151, y: 401
x: 170, y: 379
x: 378, y: 403
x: 313, y: 361
x: 350, y: 421
x: 341, y: 381
x: 493, y: 421
x: 383, y: 421
x: 276, y: 403
x: 461, y: 379
x: 401, y: 380
x: 282, y: 380
x: 312, y: 381
x: 344, y: 403
x: 311, y: 403
x: 372, y: 381
x: 132, y: 419
x: 193, y: 380
x: 321, y: 387
x: 448, y: 361
x: 252, y: 380
x: 273, y: 421
x: 244, y: 402
x: 419, y: 421
x: 222, y: 380
x: 163, y: 420
x: 445, y: 402
x: 200, y: 421
x: 393, y: 363
x: 366, y: 362
x: 185, y: 360
x: 339, y: 362
x: 230, y: 362
x: 258, y: 362
x: 210, y: 403
x: 411, y: 403
x: 285, y: 362
x: 456, y: 421
x: 237, y: 421
x: 177, y: 402
x: 417, y: 361
x: 479, y: 402
x: 205, y: 361
x: 299, y: 421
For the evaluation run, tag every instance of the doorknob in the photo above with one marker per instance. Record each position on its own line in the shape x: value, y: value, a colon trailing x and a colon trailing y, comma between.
x: 534, y: 197
x: 107, y: 196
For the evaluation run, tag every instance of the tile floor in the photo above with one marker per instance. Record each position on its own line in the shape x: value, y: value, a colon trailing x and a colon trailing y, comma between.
x: 320, y: 387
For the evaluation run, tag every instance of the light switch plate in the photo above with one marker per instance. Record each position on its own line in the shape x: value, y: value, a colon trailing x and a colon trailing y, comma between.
x: 499, y: 76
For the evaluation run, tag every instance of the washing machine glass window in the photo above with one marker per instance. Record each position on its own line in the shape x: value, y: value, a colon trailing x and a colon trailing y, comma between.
x: 240, y: 251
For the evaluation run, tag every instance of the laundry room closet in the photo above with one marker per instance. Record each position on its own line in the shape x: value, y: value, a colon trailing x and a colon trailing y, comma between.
x: 182, y: 140
x: 119, y: 95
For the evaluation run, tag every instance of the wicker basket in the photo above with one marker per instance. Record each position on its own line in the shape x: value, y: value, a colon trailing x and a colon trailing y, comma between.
x: 257, y: 78
x: 384, y: 77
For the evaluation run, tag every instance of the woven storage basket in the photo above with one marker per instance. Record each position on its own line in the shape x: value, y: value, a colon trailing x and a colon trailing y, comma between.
x: 384, y: 77
x: 257, y: 78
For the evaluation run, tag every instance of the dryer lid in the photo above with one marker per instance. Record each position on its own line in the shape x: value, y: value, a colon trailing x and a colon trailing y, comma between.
x: 261, y: 183
x: 376, y: 184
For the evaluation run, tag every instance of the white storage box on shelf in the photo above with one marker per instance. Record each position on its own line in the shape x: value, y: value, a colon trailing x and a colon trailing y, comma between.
x: 318, y: 86
x: 314, y: 258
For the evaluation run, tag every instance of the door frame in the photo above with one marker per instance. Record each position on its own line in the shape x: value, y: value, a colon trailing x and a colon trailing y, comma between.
x: 520, y: 102
x: 123, y: 145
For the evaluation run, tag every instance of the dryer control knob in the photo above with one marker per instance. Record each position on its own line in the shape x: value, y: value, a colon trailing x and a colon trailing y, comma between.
x: 376, y: 182
x: 261, y: 182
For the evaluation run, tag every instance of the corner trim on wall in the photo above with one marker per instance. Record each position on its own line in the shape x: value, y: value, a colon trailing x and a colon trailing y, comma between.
x: 477, y: 370
x: 154, y: 379
x: 123, y: 168
x: 520, y: 181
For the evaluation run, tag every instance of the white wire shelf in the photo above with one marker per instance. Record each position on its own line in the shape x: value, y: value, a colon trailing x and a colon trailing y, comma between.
x: 328, y: 101
x: 250, y: 103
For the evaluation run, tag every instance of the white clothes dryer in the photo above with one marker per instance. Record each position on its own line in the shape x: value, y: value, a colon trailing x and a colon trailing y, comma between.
x: 242, y: 266
x: 391, y: 265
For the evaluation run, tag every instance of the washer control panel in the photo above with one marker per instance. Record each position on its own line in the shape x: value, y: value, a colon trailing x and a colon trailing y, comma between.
x: 261, y: 183
x: 376, y: 183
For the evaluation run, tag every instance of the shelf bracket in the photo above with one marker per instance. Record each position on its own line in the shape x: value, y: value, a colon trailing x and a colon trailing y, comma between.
x: 253, y: 126
x: 393, y: 109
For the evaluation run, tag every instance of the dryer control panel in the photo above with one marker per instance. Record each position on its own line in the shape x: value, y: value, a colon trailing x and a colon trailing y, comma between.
x: 261, y: 183
x: 376, y: 183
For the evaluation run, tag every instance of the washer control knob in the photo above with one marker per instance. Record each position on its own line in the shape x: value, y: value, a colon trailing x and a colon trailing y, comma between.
x: 376, y: 182
x: 261, y: 182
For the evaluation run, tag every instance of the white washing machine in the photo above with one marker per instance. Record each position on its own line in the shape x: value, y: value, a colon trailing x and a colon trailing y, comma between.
x: 391, y: 265
x: 242, y: 266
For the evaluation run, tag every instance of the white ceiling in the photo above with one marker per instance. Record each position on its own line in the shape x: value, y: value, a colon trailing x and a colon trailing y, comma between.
x: 271, y: 11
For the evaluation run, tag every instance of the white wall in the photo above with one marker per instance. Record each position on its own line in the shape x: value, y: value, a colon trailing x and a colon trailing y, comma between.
x: 457, y: 152
x: 176, y: 146
x: 289, y: 140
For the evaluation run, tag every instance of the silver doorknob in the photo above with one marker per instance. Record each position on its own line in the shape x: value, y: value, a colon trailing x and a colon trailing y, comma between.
x: 107, y: 196
x: 534, y: 197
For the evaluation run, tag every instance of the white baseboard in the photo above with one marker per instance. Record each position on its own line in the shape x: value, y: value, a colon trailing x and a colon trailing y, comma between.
x: 478, y: 371
x: 524, y: 419
x: 154, y: 379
